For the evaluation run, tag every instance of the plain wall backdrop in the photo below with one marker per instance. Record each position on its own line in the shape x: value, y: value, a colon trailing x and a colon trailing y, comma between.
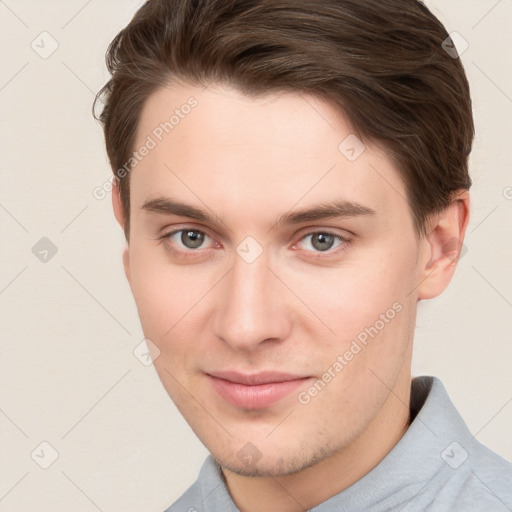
x: 112, y: 438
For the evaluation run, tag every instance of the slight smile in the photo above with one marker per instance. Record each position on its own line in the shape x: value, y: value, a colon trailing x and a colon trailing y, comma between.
x: 254, y: 391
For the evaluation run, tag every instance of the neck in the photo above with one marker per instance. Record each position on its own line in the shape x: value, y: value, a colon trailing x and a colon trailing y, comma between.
x: 314, y: 485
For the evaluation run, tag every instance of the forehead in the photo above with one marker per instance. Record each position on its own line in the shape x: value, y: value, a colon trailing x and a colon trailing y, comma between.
x: 226, y: 116
x: 281, y: 148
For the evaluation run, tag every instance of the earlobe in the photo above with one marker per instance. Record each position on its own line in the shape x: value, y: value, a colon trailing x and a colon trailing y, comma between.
x: 444, y: 246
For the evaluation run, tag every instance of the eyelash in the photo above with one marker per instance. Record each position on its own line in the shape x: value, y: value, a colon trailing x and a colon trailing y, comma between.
x: 344, y: 242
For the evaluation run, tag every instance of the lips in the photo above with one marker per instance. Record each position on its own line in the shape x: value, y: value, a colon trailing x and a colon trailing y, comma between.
x: 254, y: 391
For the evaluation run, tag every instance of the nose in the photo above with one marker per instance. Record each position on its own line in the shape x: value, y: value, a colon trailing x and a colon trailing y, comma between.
x: 252, y: 306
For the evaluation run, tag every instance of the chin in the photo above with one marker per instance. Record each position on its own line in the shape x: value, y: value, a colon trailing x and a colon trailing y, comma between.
x: 251, y: 462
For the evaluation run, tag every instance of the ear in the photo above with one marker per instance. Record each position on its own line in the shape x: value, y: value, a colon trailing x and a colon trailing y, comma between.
x: 443, y: 246
x: 117, y: 205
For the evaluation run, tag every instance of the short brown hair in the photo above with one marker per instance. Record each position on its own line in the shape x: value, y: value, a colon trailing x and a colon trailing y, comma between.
x: 382, y: 62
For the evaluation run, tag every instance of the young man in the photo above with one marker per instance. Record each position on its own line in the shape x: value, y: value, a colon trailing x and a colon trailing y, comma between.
x: 292, y: 180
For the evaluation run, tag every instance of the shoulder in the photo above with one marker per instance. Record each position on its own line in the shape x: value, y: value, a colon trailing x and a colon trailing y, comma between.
x: 482, y: 482
x: 490, y: 478
x: 207, y: 493
x: 190, y: 501
x: 464, y: 475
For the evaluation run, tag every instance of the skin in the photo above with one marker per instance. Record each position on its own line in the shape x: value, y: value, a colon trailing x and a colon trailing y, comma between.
x: 295, y: 309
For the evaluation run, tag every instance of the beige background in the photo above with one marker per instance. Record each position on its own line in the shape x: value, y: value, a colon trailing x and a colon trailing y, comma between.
x: 68, y: 375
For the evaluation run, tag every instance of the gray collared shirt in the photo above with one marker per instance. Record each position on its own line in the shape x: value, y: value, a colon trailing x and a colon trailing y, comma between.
x: 437, y: 466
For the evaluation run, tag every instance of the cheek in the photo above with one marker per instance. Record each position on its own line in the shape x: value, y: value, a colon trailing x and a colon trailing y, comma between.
x: 172, y: 302
x: 167, y: 297
x: 353, y: 296
x: 163, y: 292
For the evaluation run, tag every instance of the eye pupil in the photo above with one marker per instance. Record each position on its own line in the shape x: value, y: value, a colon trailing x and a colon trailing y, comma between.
x: 192, y: 239
x: 322, y: 241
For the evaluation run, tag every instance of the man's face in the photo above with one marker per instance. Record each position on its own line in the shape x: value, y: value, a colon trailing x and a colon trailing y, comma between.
x: 251, y: 293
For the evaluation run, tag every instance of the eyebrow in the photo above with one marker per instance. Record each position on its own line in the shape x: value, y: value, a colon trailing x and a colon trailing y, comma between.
x: 332, y: 209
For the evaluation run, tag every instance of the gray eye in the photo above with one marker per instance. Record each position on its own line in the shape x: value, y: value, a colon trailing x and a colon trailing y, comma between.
x: 322, y: 241
x: 192, y: 239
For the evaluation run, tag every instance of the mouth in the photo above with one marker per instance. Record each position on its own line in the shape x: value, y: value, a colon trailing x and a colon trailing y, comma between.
x: 254, y: 391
